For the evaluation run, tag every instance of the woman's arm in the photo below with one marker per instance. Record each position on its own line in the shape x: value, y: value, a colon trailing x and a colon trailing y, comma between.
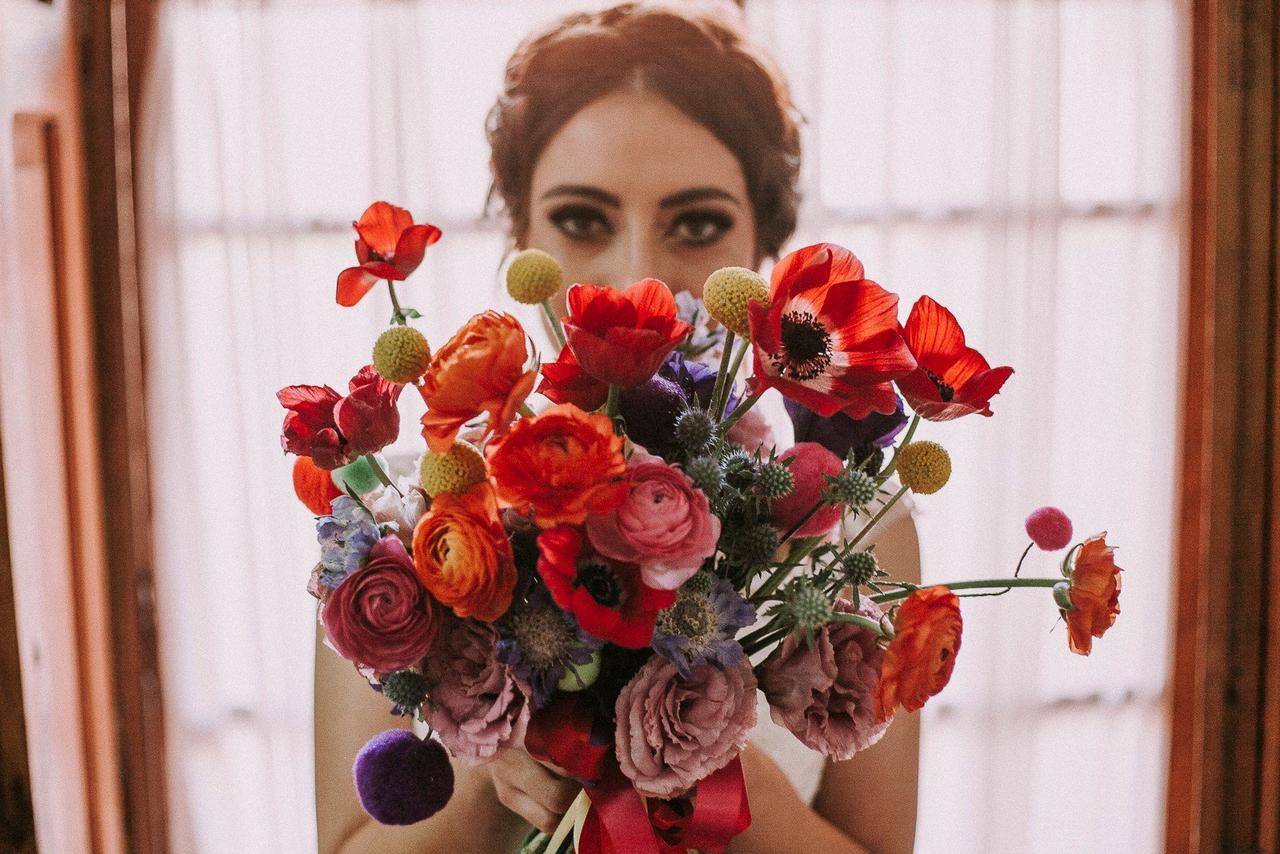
x: 872, y: 797
x: 347, y: 714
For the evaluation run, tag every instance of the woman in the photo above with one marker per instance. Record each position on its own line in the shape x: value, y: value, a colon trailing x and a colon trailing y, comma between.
x: 640, y: 141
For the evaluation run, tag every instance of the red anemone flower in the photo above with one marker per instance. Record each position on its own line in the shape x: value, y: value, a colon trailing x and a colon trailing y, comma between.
x: 607, y: 598
x: 622, y: 337
x: 951, y: 379
x: 564, y: 381
x: 388, y: 245
x: 335, y: 430
x: 829, y: 338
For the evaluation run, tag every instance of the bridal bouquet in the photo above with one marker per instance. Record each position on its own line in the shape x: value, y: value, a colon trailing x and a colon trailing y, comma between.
x: 602, y: 558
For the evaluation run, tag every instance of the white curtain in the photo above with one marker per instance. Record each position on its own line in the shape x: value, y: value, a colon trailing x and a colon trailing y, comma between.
x: 1017, y: 159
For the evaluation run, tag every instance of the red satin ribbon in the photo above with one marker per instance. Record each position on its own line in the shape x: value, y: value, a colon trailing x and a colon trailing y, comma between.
x: 618, y: 821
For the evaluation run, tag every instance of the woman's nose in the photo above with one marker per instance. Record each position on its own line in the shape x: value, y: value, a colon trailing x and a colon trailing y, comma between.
x: 631, y: 259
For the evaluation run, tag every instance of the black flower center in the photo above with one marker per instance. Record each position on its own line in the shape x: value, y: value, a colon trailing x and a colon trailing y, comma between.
x: 376, y: 256
x: 945, y: 391
x: 601, y: 583
x: 806, y: 347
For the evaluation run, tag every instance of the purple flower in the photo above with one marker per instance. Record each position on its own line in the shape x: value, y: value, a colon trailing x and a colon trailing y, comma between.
x: 402, y: 779
x: 651, y: 408
x: 475, y: 703
x: 824, y: 693
x: 346, y: 537
x: 841, y: 434
x: 540, y: 642
x: 700, y: 627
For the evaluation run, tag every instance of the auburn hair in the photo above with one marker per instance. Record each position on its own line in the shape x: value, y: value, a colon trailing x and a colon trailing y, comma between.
x: 695, y: 55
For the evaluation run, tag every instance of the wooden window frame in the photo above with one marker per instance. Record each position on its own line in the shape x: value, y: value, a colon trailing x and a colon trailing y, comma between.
x: 1224, y: 769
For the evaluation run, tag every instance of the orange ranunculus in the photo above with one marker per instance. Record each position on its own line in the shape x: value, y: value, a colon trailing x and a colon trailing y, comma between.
x: 462, y: 554
x: 1095, y: 593
x: 920, y: 658
x: 480, y: 369
x: 560, y: 466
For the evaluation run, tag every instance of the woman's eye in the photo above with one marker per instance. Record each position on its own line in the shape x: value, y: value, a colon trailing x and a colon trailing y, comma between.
x: 581, y: 222
x: 700, y: 228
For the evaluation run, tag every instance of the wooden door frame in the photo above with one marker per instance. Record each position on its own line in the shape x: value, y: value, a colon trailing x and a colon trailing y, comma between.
x: 115, y: 38
x: 1224, y: 769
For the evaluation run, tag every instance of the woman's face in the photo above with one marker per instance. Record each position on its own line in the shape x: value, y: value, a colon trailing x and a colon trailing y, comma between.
x: 632, y: 188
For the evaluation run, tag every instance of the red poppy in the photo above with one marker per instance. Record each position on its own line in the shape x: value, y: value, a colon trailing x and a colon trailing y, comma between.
x: 951, y: 379
x: 564, y: 381
x: 829, y: 338
x: 622, y: 337
x: 607, y: 597
x: 388, y: 245
x: 335, y: 430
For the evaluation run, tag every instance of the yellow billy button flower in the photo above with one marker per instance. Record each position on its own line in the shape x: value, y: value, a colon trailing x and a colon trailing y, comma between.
x: 924, y: 467
x: 534, y: 276
x: 455, y: 471
x: 401, y: 354
x: 727, y: 293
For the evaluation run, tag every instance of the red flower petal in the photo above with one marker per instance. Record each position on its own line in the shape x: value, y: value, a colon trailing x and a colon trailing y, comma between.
x: 353, y: 284
x: 564, y: 381
x: 412, y: 245
x: 380, y: 227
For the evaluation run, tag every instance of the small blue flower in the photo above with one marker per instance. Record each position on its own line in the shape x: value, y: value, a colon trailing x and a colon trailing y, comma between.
x: 345, y: 537
x: 700, y: 627
x: 539, y: 642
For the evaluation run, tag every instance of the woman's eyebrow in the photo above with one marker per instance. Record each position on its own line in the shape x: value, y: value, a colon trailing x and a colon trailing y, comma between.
x: 698, y: 194
x: 602, y: 196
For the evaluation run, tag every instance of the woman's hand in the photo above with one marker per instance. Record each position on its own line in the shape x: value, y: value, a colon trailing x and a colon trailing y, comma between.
x: 537, y: 792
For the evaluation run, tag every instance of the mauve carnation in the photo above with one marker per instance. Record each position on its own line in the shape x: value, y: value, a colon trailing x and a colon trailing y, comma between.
x: 665, y: 524
x: 475, y: 704
x: 380, y: 616
x: 825, y: 695
x: 673, y: 732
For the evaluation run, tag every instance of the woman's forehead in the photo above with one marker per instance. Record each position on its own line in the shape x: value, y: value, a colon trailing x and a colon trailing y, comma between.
x: 639, y: 148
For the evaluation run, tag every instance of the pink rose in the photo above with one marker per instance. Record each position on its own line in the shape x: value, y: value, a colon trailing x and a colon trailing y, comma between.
x: 825, y: 695
x: 380, y: 617
x: 474, y: 702
x: 665, y: 524
x: 810, y: 465
x: 673, y: 732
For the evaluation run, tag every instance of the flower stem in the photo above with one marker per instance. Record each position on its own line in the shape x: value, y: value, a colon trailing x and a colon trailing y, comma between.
x: 557, y: 329
x: 741, y: 410
x: 906, y: 440
x: 876, y: 518
x: 978, y: 584
x: 611, y: 406
x: 858, y: 620
x: 382, y: 475
x: 743, y: 346
x: 397, y: 315
x: 722, y: 374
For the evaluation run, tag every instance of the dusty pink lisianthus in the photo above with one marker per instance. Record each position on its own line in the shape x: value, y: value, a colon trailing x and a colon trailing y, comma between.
x: 474, y: 702
x: 673, y: 732
x: 826, y: 695
x: 665, y: 524
x: 380, y: 616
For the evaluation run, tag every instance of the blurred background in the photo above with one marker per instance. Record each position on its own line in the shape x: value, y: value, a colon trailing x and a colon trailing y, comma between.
x: 1019, y: 161
x: 1089, y: 184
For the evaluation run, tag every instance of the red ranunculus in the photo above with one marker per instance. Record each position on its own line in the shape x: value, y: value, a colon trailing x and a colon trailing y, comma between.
x: 388, y: 245
x: 607, y: 597
x: 950, y: 379
x: 829, y: 337
x: 622, y: 337
x: 335, y: 430
x: 564, y: 381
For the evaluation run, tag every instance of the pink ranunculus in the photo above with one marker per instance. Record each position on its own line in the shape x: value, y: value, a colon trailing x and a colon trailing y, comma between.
x: 810, y: 464
x: 380, y: 617
x: 474, y: 701
x: 825, y: 695
x: 665, y: 525
x: 673, y: 732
